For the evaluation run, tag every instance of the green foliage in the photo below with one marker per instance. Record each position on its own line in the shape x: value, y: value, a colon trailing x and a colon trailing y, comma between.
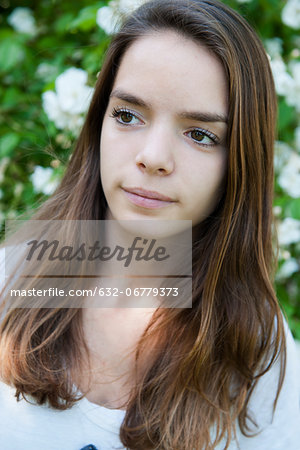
x: 66, y: 35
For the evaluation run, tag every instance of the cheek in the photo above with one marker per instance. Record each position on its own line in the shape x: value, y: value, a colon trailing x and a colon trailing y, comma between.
x: 209, y: 178
x: 208, y: 170
x: 106, y: 159
x: 116, y: 147
x: 109, y: 158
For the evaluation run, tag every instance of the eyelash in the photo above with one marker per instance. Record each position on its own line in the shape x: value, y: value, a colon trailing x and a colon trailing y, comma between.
x: 206, y: 133
x: 117, y: 111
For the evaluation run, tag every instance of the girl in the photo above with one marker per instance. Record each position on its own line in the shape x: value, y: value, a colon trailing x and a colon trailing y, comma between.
x: 181, y: 127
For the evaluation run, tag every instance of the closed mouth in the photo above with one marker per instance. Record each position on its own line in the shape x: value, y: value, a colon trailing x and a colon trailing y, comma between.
x: 149, y: 194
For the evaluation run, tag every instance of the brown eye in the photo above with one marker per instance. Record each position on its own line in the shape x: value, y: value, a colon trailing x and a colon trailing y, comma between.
x: 126, y: 117
x: 197, y: 135
x: 205, y: 138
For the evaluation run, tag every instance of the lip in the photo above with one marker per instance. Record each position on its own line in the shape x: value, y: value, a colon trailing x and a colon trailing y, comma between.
x: 147, y: 199
x: 148, y: 194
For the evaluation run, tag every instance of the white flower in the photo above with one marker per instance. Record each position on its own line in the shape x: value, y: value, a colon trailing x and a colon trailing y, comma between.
x: 71, y: 99
x: 287, y: 84
x: 297, y: 138
x: 53, y: 110
x: 293, y: 92
x: 130, y: 5
x: 274, y: 47
x: 4, y: 162
x: 244, y: 1
x: 283, y: 81
x: 287, y: 269
x: 283, y: 153
x: 22, y: 20
x: 284, y: 254
x: 277, y: 210
x: 43, y: 180
x: 18, y: 189
x: 107, y: 19
x: 289, y: 178
x: 291, y: 14
x: 45, y: 71
x: 289, y: 231
x: 75, y: 123
x: 73, y: 94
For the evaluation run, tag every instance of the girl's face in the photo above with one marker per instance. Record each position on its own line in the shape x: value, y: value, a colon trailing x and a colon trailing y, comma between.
x: 163, y: 151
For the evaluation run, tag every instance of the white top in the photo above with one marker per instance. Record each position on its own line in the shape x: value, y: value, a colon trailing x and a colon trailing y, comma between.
x: 27, y: 426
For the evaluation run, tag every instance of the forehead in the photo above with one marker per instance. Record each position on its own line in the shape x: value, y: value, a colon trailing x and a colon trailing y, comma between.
x: 168, y: 69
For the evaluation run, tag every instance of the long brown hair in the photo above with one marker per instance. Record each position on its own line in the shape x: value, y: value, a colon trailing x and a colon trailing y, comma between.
x: 211, y: 356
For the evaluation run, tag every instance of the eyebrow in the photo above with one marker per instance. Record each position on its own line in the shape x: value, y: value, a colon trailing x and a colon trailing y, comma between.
x: 192, y: 115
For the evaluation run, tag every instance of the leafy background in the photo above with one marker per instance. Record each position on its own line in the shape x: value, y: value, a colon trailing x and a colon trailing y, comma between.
x: 38, y: 125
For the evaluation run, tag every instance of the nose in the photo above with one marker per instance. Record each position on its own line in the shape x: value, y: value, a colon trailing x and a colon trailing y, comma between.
x: 157, y: 154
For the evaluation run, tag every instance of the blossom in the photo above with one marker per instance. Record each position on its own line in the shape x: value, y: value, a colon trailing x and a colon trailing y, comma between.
x: 289, y: 231
x: 22, y: 20
x: 287, y: 269
x: 19, y: 187
x: 274, y: 47
x: 283, y: 81
x: 293, y: 92
x: 130, y: 5
x: 282, y: 154
x: 287, y: 80
x: 109, y: 17
x: 45, y: 71
x: 52, y: 109
x: 4, y: 162
x: 297, y: 138
x: 43, y: 180
x: 73, y: 94
x: 66, y: 106
x: 291, y: 14
x: 277, y: 210
x: 289, y: 178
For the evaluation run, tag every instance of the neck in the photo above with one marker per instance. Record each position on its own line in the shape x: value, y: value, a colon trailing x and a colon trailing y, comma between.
x: 111, y: 336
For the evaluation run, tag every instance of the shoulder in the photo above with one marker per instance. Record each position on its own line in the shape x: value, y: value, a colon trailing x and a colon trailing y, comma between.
x: 279, y: 429
x: 25, y: 425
